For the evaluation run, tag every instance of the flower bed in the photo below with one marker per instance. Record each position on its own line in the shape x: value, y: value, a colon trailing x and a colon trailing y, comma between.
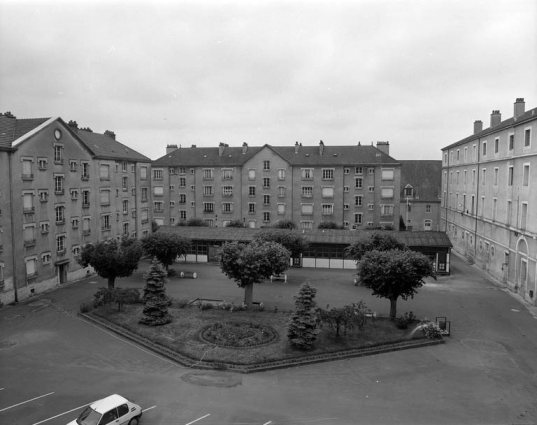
x: 238, y: 334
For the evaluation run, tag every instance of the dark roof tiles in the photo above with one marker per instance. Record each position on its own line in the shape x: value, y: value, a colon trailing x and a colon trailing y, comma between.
x: 425, y: 177
x: 105, y: 146
x: 12, y: 128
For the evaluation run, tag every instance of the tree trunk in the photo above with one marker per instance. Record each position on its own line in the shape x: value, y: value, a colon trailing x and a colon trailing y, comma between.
x: 249, y: 295
x: 393, y: 308
x: 111, y: 281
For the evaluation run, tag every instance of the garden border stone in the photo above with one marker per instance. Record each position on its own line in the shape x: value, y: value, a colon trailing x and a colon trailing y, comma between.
x: 259, y: 367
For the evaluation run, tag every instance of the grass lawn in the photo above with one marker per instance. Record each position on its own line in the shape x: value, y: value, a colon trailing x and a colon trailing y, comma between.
x: 182, y: 334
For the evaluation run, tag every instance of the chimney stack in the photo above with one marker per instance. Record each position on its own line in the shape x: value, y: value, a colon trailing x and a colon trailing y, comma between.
x: 321, y: 147
x: 478, y: 126
x: 495, y: 118
x: 520, y: 107
x: 384, y: 147
x: 221, y: 148
x: 296, y: 147
x: 73, y: 126
x: 171, y: 148
x: 111, y: 134
x: 244, y: 147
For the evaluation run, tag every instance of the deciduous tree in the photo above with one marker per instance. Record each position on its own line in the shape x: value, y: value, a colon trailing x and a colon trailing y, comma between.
x: 252, y: 263
x: 165, y: 247
x: 293, y: 242
x: 112, y: 258
x: 394, y: 273
x: 369, y: 241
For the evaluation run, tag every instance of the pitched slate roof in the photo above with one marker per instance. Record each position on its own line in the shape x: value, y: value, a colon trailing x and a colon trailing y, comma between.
x: 340, y: 237
x: 12, y: 128
x: 106, y: 147
x: 425, y: 176
x: 511, y: 122
x: 307, y: 155
x: 232, y: 156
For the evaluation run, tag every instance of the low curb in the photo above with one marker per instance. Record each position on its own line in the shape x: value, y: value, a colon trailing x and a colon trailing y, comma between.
x: 259, y: 367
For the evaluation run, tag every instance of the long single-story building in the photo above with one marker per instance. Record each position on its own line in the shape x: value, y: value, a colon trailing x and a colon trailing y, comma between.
x: 326, y: 247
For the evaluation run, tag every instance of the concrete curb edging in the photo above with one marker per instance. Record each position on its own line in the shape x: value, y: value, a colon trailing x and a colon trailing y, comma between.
x: 276, y: 364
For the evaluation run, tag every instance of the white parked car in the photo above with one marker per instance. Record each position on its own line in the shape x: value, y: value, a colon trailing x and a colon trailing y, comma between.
x: 113, y: 410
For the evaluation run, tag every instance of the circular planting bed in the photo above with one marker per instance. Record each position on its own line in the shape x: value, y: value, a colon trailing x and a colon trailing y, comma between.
x: 238, y: 334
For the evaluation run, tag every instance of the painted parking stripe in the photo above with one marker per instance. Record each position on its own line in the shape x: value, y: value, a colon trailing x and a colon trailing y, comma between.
x: 27, y: 401
x: 199, y: 419
x: 61, y: 414
x: 267, y: 423
x: 149, y: 408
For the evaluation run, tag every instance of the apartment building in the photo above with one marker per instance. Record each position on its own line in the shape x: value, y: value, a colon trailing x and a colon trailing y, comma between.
x: 420, y: 194
x: 62, y: 187
x: 357, y: 186
x: 489, y: 199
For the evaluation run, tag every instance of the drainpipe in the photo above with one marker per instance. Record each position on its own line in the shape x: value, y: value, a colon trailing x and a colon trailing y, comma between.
x: 446, y: 198
x: 477, y: 194
x: 13, y: 257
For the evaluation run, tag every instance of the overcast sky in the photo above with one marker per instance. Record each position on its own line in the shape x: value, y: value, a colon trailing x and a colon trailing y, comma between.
x: 414, y: 73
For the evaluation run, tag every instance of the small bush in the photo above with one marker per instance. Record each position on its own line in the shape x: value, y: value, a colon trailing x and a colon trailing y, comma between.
x: 405, y: 320
x: 86, y: 307
x: 431, y: 330
x: 181, y: 303
x: 206, y: 306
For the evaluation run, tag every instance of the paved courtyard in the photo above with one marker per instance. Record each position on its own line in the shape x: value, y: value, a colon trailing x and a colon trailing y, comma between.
x: 52, y: 363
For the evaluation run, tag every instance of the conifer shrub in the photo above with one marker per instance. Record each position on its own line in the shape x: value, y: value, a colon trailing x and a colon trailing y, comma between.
x: 302, y: 329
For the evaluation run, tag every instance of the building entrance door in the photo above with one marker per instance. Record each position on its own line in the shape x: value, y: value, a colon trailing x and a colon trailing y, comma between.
x: 62, y: 273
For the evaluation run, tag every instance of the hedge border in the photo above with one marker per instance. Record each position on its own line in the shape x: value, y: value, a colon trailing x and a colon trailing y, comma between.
x: 259, y: 367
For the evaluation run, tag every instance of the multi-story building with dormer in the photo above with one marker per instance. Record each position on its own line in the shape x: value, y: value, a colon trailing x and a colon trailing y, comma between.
x: 489, y: 199
x: 62, y: 187
x: 355, y: 186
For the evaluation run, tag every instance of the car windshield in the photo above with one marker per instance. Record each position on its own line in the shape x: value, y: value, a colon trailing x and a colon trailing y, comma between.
x: 88, y: 417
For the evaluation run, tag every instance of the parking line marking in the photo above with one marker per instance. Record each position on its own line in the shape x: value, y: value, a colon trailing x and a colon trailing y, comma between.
x: 267, y: 423
x: 61, y: 414
x: 27, y: 401
x: 149, y: 408
x: 199, y: 419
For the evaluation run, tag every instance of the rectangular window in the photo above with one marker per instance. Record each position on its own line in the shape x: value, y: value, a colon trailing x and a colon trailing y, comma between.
x: 386, y: 210
x: 60, y: 214
x: 86, y: 225
x: 227, y: 207
x: 327, y: 192
x: 45, y: 226
x: 484, y: 150
x: 31, y: 268
x: 46, y: 257
x: 72, y: 165
x: 281, y: 191
x: 207, y: 191
x: 58, y: 185
x: 526, y: 175
x: 328, y: 174
x: 85, y: 198
x: 359, y: 170
x: 358, y: 200
x: 483, y: 177
x: 281, y: 174
x: 496, y: 173
x: 158, y: 206
x: 106, y: 221
x: 104, y: 172
x: 182, y: 181
x: 523, y: 215
x: 85, y: 170
x: 307, y: 173
x: 371, y: 189
x: 387, y: 174
x: 125, y: 184
x: 527, y: 137
x: 251, y: 174
x: 307, y: 191
x: 75, y: 221
x: 266, y: 217
x: 125, y: 206
x: 145, y: 216
x: 27, y: 173
x: 510, y: 176
x: 58, y: 154
x: 266, y: 199
x: 327, y: 209
x: 74, y: 194
x: 494, y: 208
x: 208, y: 207
x: 42, y: 163
x: 358, y: 218
x: 125, y: 229
x: 427, y: 208
x: 386, y: 192
x: 158, y: 190
x: 143, y: 172
x: 182, y: 215
x: 358, y: 183
x: 281, y: 209
x: 28, y: 203
x: 251, y: 190
x: 157, y: 174
x: 266, y: 182
x: 306, y: 209
x: 266, y: 165
x: 511, y: 142
x: 227, y: 174
x: 251, y: 207
x: 29, y: 235
x: 182, y: 198
x: 227, y: 191
x: 496, y: 145
x: 144, y: 194
x: 207, y: 174
x: 171, y: 171
x: 306, y: 225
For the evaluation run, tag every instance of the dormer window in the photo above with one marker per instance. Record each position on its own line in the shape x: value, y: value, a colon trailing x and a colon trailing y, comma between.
x: 409, y: 191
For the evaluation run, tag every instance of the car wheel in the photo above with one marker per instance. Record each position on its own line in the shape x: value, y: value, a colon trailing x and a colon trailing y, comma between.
x: 134, y: 421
